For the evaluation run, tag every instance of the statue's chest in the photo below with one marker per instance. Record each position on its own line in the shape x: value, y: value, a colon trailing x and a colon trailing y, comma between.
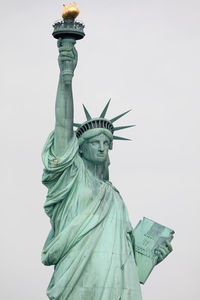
x: 89, y: 190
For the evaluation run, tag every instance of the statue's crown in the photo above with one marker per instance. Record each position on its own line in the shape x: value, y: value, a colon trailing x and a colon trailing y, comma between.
x: 100, y: 122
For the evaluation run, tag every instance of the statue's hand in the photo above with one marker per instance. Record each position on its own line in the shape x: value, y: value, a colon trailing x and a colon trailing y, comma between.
x: 162, y: 251
x: 67, y: 59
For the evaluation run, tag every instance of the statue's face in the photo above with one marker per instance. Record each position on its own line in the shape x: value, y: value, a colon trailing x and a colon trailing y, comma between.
x: 96, y: 149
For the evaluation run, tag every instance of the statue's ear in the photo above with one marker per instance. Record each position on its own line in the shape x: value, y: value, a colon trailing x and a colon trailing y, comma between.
x: 80, y: 151
x: 111, y: 145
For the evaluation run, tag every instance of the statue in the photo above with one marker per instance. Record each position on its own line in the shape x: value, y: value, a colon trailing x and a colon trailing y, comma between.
x: 91, y: 243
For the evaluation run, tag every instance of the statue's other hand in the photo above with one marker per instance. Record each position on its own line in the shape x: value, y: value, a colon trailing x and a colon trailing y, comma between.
x: 163, y: 251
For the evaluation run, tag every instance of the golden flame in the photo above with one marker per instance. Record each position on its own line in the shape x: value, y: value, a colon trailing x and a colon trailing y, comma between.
x: 71, y: 11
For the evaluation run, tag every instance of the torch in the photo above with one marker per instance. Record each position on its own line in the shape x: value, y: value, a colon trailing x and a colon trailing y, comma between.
x: 67, y: 31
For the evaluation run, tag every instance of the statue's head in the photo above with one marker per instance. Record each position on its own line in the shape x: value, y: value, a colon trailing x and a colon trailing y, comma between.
x: 96, y: 136
x: 95, y: 144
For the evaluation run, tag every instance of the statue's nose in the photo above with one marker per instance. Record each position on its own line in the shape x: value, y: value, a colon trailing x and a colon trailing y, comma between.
x: 101, y: 147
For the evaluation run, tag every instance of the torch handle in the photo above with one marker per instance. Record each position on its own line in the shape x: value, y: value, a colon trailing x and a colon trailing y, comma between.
x: 68, y: 65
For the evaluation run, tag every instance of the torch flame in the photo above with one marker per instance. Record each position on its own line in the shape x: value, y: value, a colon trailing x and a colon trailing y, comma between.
x: 71, y: 11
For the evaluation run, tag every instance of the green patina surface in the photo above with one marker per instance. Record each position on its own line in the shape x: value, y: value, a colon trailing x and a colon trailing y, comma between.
x: 91, y: 243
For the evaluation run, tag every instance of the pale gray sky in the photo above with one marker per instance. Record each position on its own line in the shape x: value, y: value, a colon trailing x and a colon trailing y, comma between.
x: 144, y: 55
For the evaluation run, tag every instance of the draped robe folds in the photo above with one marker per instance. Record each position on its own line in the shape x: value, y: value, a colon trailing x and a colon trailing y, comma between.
x: 91, y: 241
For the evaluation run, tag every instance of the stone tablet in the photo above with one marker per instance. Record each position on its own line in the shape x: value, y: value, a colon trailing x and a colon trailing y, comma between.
x: 149, y: 235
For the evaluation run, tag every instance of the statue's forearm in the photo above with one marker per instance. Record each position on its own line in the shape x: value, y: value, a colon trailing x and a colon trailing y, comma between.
x: 64, y: 105
x: 67, y: 61
x: 64, y: 116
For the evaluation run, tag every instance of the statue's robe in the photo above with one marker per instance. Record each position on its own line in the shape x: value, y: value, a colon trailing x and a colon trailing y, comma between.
x: 91, y: 240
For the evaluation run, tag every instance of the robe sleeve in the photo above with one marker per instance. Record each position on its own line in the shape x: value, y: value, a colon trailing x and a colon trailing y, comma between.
x: 59, y: 173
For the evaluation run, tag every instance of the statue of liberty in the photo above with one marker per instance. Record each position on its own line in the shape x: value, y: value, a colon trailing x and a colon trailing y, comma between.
x: 91, y: 242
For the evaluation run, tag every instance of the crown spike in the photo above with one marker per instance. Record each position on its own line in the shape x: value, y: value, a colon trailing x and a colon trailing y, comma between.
x: 118, y: 117
x: 123, y: 127
x: 76, y: 124
x: 105, y: 110
x: 87, y: 113
x: 120, y: 138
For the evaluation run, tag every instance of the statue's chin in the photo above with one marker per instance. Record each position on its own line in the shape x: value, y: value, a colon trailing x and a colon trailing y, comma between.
x: 97, y: 160
x: 100, y: 160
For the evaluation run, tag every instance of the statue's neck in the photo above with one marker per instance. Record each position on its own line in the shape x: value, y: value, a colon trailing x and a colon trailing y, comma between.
x: 95, y: 169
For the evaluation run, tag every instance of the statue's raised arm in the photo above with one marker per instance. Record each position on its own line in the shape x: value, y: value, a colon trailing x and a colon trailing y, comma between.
x: 64, y: 111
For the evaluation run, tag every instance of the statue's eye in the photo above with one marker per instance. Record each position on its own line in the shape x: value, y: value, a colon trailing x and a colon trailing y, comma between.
x: 106, y: 143
x: 95, y: 143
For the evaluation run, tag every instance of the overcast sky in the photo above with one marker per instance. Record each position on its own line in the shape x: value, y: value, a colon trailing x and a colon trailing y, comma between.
x: 145, y: 56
